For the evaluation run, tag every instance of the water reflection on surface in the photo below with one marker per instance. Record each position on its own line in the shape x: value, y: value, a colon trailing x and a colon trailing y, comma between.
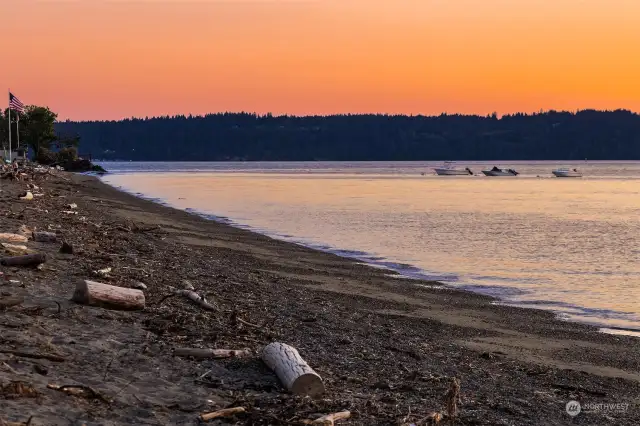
x: 568, y: 245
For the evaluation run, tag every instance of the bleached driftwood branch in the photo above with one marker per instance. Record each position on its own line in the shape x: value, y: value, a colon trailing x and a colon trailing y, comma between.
x: 211, y: 353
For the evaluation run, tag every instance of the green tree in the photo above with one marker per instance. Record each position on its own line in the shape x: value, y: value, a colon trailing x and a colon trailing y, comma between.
x: 37, y: 128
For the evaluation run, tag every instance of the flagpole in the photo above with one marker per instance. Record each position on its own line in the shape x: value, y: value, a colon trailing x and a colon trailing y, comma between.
x: 17, y: 130
x: 9, y: 126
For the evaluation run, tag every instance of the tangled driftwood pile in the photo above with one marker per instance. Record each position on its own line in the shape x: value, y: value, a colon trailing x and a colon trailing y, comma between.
x: 27, y: 171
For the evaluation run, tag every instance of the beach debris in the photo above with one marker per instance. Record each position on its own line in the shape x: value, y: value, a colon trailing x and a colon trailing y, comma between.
x: 7, y: 423
x: 25, y: 231
x: 66, y: 248
x: 72, y: 206
x: 15, y: 249
x: 212, y: 353
x: 69, y: 212
x: 44, y: 237
x: 50, y: 357
x: 225, y: 412
x: 79, y: 390
x: 9, y: 301
x: 102, y: 273
x: 139, y: 285
x: 13, y: 238
x: 187, y: 285
x: 433, y: 418
x: 25, y: 260
x: 194, y: 297
x: 294, y: 373
x: 235, y: 319
x: 9, y: 368
x: 27, y: 196
x: 452, y: 398
x: 16, y: 389
x: 329, y: 419
x: 32, y: 187
x: 107, y: 296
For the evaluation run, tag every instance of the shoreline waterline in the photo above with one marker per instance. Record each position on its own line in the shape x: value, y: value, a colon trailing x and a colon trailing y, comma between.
x: 402, y: 270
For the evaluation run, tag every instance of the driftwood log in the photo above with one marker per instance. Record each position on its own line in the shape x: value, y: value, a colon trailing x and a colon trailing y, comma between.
x: 211, y: 353
x: 26, y: 260
x: 13, y: 238
x: 44, y: 237
x: 107, y: 296
x: 294, y: 373
x: 15, y: 250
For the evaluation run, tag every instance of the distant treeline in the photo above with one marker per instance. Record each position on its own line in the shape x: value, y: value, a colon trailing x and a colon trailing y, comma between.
x: 596, y: 135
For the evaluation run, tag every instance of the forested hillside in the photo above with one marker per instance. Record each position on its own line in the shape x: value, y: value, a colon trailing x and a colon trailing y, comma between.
x: 242, y: 136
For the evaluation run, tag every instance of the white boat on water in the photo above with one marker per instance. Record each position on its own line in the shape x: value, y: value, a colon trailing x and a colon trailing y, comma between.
x: 495, y: 171
x: 566, y: 172
x: 448, y: 169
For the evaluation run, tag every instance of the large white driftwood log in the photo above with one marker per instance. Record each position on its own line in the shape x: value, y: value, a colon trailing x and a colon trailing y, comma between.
x: 108, y: 296
x: 294, y: 373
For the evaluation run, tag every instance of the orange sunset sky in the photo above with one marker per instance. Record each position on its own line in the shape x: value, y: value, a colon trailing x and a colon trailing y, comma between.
x: 90, y: 59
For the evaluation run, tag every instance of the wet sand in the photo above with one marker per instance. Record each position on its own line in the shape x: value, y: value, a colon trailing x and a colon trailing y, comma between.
x: 386, y: 347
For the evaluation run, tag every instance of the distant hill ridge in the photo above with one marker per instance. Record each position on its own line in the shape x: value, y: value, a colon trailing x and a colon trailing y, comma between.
x: 553, y: 135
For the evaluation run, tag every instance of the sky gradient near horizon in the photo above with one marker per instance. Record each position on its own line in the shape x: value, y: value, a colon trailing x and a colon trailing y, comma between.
x: 97, y: 59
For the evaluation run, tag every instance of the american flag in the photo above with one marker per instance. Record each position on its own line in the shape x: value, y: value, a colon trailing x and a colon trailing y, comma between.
x: 15, y: 104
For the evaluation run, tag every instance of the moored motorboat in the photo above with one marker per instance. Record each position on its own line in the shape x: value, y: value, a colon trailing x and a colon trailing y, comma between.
x: 448, y: 169
x: 495, y: 171
x: 566, y: 172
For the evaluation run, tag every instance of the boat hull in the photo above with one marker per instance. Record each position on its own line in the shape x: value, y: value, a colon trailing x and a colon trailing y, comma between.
x: 560, y: 173
x: 452, y: 172
x: 498, y: 173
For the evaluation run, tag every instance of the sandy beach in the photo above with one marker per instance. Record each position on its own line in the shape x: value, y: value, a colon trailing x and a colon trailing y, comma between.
x: 386, y: 347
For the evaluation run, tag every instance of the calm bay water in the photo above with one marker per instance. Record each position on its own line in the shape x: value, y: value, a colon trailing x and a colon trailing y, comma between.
x: 568, y: 245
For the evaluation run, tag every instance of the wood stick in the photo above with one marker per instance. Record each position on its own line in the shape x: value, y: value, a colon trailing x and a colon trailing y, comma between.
x: 196, y: 298
x: 79, y: 390
x: 212, y: 353
x: 107, y: 296
x: 294, y: 373
x: 26, y: 260
x: 329, y: 419
x: 221, y: 413
x: 50, y: 357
